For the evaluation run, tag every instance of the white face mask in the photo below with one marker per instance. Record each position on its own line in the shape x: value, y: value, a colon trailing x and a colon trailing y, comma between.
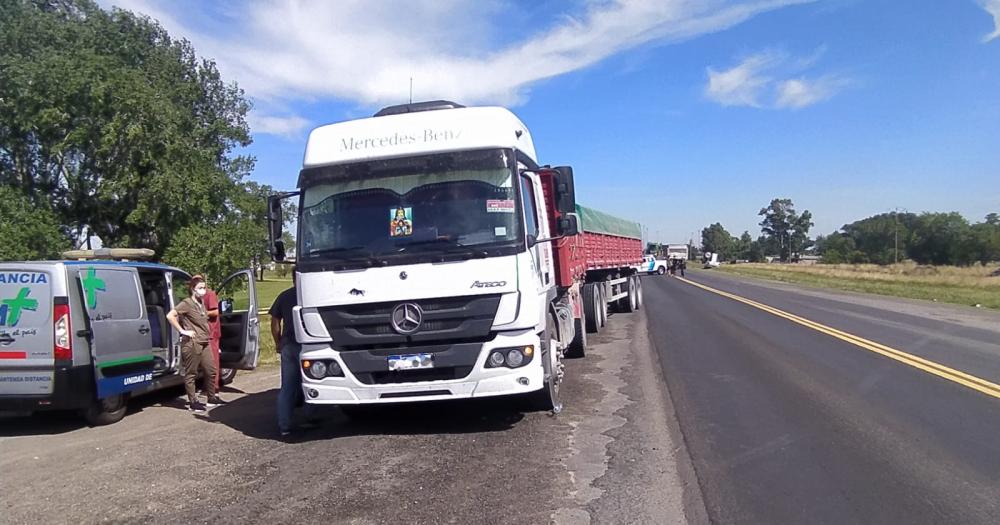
x: 200, y: 292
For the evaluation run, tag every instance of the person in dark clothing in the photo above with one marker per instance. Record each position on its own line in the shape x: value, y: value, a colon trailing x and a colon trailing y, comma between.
x: 682, y: 264
x: 283, y: 333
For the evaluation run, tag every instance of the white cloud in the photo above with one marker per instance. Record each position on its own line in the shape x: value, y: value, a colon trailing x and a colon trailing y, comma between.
x: 366, y: 52
x: 757, y: 82
x: 993, y: 8
x: 742, y: 85
x: 288, y: 127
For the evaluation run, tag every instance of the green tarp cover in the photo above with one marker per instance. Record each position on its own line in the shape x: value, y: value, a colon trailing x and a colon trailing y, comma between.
x: 592, y: 220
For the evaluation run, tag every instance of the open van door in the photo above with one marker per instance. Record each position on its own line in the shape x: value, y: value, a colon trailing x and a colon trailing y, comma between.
x: 118, y: 329
x: 239, y: 347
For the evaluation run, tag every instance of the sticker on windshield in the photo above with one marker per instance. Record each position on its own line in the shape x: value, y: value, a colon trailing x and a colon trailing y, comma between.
x: 400, y: 221
x: 500, y: 206
x: 500, y: 231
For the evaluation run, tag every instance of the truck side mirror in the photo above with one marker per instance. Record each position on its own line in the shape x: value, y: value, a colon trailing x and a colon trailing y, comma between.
x: 565, y: 190
x: 274, y: 223
x: 568, y: 225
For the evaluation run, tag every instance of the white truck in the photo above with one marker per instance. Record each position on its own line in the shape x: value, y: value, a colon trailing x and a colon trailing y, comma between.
x: 677, y: 251
x: 437, y: 260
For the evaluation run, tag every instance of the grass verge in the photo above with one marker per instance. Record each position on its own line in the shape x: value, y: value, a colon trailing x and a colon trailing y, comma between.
x: 948, y: 284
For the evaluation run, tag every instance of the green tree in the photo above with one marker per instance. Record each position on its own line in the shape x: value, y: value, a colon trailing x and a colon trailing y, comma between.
x: 838, y: 248
x: 716, y: 239
x: 941, y: 238
x: 984, y: 238
x: 786, y: 228
x: 29, y: 232
x: 117, y: 127
x: 743, y: 246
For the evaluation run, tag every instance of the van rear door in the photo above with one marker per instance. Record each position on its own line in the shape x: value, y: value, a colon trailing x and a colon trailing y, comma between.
x: 120, y: 341
x: 26, y: 340
x: 239, y: 347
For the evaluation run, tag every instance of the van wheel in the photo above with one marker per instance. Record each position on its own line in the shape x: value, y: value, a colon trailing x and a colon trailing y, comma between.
x: 227, y: 375
x: 106, y: 411
x: 548, y: 398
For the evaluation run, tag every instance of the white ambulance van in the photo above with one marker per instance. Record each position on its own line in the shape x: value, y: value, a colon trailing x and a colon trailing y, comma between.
x: 87, y: 335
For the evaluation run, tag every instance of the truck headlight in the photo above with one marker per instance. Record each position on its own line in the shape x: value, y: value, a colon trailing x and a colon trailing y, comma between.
x: 510, y: 357
x: 317, y: 370
x: 515, y: 358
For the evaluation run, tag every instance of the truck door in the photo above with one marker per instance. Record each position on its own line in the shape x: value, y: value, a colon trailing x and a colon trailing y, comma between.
x: 239, y: 347
x: 119, y: 331
x: 541, y: 253
x: 26, y: 331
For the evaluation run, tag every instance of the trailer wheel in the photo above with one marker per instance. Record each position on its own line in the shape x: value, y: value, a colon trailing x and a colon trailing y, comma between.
x: 638, y: 293
x: 602, y: 307
x: 627, y: 303
x: 591, y: 308
x: 578, y: 346
x: 548, y: 397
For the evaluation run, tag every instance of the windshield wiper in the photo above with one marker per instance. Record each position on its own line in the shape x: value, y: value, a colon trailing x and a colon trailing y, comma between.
x: 447, y: 247
x: 350, y: 254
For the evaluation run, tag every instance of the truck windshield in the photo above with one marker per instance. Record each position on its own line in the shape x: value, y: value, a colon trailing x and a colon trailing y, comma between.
x: 384, y: 211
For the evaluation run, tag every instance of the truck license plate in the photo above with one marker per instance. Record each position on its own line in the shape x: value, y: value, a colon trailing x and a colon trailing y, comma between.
x: 411, y: 361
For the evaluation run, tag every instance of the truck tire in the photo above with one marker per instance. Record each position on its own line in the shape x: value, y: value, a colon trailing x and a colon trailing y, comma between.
x: 627, y: 303
x: 602, y: 307
x: 661, y: 270
x: 591, y: 307
x: 638, y: 293
x: 578, y: 346
x: 106, y: 411
x: 548, y: 398
x: 226, y: 375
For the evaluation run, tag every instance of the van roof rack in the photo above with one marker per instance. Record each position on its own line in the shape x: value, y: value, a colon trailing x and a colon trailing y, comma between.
x: 118, y: 254
x: 415, y: 107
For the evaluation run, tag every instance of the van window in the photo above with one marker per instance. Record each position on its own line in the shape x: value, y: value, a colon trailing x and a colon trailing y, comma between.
x: 111, y: 293
x: 25, y: 300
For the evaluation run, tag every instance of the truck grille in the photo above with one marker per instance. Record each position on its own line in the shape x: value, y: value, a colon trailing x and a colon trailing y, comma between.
x: 366, y: 326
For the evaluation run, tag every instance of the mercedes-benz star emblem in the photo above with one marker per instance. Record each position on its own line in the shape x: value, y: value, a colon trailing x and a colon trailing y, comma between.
x: 406, y: 318
x: 403, y: 276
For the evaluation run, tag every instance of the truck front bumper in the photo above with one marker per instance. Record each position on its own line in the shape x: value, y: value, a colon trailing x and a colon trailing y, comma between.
x: 480, y: 382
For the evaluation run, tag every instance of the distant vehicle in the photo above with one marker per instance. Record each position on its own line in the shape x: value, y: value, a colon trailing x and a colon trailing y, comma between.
x: 677, y: 251
x: 711, y: 260
x: 650, y: 265
x: 89, y: 334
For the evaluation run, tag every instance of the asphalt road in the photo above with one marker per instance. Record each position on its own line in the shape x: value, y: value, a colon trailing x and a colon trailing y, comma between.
x: 787, y: 424
x: 608, y: 458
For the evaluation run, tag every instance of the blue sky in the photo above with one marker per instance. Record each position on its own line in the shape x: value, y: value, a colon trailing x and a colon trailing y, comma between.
x: 675, y: 114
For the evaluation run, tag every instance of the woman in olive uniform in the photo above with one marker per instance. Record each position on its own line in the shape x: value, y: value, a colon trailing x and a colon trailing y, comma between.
x: 190, y: 319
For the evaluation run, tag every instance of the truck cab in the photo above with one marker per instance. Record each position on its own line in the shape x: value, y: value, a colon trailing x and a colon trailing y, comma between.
x: 424, y: 260
x: 88, y: 333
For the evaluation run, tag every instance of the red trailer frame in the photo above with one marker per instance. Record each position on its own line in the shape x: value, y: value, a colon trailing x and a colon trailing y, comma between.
x: 578, y: 254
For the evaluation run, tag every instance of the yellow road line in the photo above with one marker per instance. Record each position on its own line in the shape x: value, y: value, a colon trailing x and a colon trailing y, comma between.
x: 967, y: 380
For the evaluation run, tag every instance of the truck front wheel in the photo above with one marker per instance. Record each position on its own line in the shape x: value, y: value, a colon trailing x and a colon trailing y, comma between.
x: 661, y: 270
x: 548, y: 397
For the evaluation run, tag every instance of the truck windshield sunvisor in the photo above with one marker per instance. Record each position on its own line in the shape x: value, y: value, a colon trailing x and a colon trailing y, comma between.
x: 387, y: 211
